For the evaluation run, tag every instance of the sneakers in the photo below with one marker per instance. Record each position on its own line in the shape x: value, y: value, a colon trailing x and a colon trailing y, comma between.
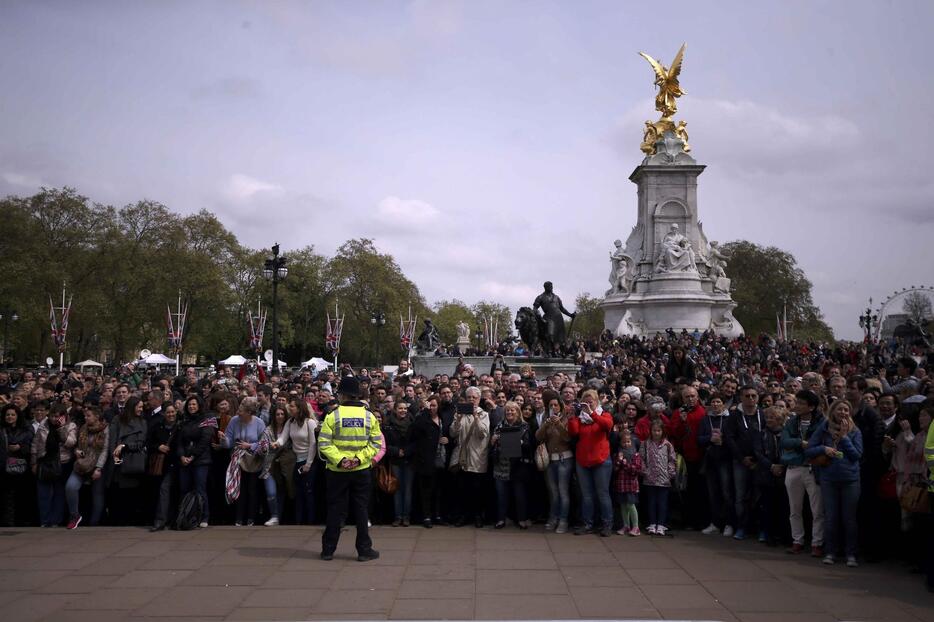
x: 499, y: 524
x: 272, y: 522
x: 327, y: 556
x: 817, y: 551
x: 635, y: 532
x: 828, y: 559
x: 623, y: 532
x: 606, y: 531
x: 550, y: 525
x: 562, y: 527
x: 74, y: 522
x: 396, y: 522
x: 710, y: 529
x: 405, y: 521
x: 203, y: 524
x: 851, y: 562
x: 652, y: 530
x: 661, y: 530
x: 795, y: 549
x: 238, y: 524
x: 368, y: 556
x: 728, y: 531
x: 740, y: 534
x: 763, y: 537
x: 583, y: 530
x: 426, y: 523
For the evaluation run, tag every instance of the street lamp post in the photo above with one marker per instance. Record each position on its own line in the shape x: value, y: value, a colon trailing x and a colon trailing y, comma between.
x: 378, y: 319
x: 868, y: 320
x: 7, y: 317
x: 275, y: 270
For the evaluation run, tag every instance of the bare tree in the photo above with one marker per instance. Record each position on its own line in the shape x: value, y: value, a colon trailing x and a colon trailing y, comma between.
x: 918, y: 307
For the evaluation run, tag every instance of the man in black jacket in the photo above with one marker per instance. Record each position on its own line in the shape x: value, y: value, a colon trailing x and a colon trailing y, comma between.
x: 871, y: 468
x: 744, y: 426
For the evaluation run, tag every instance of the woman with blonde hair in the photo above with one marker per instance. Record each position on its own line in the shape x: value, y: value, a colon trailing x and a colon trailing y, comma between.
x: 835, y: 449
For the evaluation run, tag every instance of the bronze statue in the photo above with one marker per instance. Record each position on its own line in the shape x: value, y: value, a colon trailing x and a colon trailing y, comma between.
x: 553, y: 312
x: 428, y: 340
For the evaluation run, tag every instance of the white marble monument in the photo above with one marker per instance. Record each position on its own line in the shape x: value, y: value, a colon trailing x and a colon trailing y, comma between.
x: 667, y: 275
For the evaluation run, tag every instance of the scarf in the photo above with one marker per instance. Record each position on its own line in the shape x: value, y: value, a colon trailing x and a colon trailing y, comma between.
x: 400, y: 424
x: 84, y: 438
x: 232, y: 481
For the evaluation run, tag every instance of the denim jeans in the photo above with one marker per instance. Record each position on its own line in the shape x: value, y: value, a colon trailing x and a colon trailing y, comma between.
x: 595, y: 482
x: 402, y: 499
x: 304, y: 495
x: 720, y: 492
x: 73, y: 496
x: 275, y: 498
x: 656, y: 498
x: 744, y: 492
x: 517, y: 489
x: 52, y: 498
x: 841, y: 500
x: 195, y: 478
x: 559, y: 488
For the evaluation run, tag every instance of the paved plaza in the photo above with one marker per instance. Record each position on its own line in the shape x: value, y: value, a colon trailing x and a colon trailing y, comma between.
x: 227, y: 573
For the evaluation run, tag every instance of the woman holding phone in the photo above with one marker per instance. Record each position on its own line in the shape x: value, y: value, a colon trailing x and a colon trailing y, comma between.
x: 594, y: 467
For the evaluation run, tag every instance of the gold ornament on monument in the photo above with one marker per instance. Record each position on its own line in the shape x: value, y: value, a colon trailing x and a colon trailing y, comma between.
x: 666, y: 102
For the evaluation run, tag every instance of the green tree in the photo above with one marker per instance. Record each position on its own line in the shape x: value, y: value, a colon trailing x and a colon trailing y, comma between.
x: 303, y: 300
x: 499, y: 315
x: 447, y: 315
x: 767, y: 280
x: 589, y: 320
x: 365, y: 281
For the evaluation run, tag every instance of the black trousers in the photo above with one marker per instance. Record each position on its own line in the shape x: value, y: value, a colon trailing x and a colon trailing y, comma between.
x: 344, y: 490
x: 429, y: 493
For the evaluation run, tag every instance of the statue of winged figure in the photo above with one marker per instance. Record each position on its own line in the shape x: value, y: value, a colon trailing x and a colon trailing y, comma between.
x: 666, y: 79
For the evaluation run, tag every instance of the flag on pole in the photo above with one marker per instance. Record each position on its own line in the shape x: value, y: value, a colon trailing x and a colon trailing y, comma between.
x: 407, y: 330
x: 59, y: 329
x: 335, y: 326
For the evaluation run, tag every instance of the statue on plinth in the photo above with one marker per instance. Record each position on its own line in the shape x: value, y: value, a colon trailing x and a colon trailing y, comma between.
x: 553, y: 312
x: 463, y: 331
x: 428, y: 340
x: 620, y: 272
x: 676, y: 253
x: 716, y: 262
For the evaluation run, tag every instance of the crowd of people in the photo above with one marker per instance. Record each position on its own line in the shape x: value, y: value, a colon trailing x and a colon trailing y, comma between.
x: 825, y: 451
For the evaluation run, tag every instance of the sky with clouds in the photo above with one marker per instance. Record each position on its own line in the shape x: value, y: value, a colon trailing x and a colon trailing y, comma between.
x: 487, y: 145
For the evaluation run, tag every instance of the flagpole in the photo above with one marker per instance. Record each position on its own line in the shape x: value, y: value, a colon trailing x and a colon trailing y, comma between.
x: 61, y: 352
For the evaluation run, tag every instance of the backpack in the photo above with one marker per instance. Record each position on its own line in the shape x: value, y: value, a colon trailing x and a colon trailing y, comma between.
x: 190, y: 511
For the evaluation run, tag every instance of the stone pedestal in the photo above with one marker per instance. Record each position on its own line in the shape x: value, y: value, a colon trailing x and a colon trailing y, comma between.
x: 654, y: 297
x: 544, y: 367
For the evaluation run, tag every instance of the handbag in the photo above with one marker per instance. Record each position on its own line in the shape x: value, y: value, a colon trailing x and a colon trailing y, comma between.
x: 886, y: 489
x: 916, y: 499
x: 250, y: 462
x: 386, y: 481
x: 87, y: 464
x: 542, y: 458
x: 156, y: 465
x: 49, y: 469
x: 134, y: 463
x: 822, y: 460
x: 15, y: 466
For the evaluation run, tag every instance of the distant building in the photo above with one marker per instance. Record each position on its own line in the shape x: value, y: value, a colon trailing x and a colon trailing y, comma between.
x: 890, y: 323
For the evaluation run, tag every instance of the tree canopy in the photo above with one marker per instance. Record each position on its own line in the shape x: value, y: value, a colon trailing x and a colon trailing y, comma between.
x: 765, y: 282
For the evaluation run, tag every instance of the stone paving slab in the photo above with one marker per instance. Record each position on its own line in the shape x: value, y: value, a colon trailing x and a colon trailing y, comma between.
x: 228, y: 573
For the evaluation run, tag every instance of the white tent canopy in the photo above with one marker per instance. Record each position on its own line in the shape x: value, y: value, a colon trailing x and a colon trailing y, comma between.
x: 89, y: 363
x: 266, y: 364
x: 317, y: 362
x: 235, y: 359
x: 157, y: 359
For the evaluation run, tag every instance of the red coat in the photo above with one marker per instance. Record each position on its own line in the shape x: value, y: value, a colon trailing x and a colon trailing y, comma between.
x: 593, y: 445
x: 643, y: 427
x: 683, y: 434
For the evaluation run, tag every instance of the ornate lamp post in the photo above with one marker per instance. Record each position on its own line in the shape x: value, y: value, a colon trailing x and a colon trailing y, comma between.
x: 378, y: 319
x: 275, y: 270
x: 7, y: 317
x: 868, y: 321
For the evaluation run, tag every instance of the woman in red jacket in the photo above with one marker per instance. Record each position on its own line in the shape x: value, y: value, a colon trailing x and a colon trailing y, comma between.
x: 594, y: 467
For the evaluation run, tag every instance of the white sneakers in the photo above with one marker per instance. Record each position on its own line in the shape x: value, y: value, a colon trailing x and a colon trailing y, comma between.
x: 710, y: 529
x: 272, y: 522
x: 652, y: 530
x: 728, y: 531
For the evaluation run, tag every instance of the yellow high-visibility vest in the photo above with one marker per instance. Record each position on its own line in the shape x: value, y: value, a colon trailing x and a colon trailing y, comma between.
x: 349, y: 431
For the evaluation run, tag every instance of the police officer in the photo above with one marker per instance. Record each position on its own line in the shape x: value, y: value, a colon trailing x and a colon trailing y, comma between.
x: 349, y: 438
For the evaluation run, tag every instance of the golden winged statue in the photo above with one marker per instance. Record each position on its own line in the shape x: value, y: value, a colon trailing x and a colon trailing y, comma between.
x: 666, y: 102
x: 667, y: 82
